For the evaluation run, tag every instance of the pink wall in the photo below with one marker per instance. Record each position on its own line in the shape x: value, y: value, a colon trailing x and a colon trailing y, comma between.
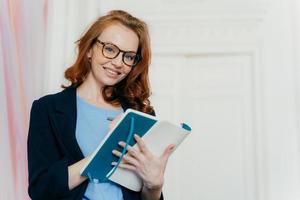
x: 22, y: 47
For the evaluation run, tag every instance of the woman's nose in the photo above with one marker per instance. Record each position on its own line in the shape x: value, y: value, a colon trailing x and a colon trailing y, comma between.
x: 117, y: 61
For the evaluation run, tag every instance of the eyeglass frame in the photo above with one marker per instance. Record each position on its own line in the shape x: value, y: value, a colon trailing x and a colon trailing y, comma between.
x: 138, y: 57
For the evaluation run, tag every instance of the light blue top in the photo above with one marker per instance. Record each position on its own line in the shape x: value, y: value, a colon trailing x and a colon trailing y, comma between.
x: 91, y: 127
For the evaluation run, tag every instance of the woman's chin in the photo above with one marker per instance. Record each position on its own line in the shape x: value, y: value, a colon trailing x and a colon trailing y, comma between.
x: 111, y: 82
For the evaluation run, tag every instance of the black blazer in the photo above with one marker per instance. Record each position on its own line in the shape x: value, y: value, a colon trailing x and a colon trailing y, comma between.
x: 52, y: 147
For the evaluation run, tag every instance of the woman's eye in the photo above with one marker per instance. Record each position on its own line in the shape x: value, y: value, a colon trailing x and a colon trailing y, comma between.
x: 129, y: 57
x: 109, y: 49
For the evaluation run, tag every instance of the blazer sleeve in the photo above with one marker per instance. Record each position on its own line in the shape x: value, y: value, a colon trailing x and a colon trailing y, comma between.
x: 48, y: 169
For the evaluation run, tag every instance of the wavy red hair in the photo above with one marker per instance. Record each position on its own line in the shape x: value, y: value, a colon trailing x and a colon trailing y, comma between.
x: 134, y: 89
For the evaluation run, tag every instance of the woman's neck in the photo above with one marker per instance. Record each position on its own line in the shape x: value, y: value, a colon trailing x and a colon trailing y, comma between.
x: 91, y: 91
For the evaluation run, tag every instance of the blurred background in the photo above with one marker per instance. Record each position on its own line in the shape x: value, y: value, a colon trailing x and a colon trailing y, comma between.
x: 228, y: 68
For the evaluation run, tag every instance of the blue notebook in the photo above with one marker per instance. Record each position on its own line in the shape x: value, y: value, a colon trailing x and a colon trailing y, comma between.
x: 99, y: 168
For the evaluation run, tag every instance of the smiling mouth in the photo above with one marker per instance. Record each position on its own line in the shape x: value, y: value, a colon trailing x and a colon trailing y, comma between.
x: 111, y: 72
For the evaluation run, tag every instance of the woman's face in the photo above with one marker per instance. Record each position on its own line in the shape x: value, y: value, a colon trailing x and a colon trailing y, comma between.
x: 109, y: 71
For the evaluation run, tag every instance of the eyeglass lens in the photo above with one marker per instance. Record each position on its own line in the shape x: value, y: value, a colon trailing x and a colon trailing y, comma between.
x: 112, y: 51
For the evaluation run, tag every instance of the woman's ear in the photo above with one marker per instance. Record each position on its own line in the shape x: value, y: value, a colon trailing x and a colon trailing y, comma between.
x: 90, y: 53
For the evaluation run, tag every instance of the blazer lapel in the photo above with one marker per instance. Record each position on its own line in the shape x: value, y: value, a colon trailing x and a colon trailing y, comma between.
x: 64, y: 122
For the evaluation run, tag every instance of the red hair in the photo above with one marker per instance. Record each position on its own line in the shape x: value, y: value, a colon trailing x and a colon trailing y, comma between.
x: 134, y: 89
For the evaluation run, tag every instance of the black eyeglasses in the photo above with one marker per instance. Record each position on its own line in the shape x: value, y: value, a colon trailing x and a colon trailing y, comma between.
x: 111, y: 51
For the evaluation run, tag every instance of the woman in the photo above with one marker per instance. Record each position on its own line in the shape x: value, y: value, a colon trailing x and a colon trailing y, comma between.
x: 109, y: 76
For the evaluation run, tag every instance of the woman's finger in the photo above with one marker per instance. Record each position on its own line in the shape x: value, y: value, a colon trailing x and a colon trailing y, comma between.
x: 141, y: 144
x: 132, y: 151
x: 125, y: 166
x: 127, y: 159
x: 167, y: 152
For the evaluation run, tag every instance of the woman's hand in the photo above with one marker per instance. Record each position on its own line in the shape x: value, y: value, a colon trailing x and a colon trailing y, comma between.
x: 149, y: 167
x: 113, y: 123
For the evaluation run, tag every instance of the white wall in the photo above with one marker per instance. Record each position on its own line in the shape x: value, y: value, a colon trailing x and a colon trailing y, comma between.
x: 229, y: 68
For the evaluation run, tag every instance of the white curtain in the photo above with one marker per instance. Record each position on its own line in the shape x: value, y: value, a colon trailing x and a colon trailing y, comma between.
x: 67, y: 21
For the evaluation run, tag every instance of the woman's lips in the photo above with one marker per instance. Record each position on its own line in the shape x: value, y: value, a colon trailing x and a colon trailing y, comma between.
x: 111, y: 72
